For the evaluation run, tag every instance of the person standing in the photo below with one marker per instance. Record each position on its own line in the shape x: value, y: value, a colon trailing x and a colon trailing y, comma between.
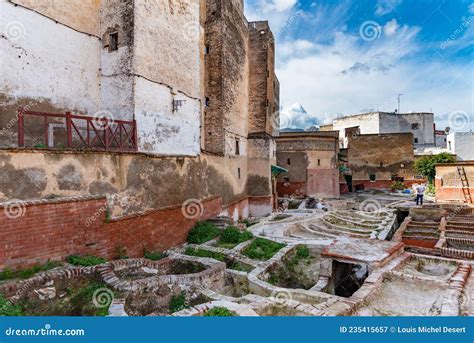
x: 420, y: 192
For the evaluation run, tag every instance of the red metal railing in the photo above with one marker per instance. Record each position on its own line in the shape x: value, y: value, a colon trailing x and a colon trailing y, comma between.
x: 82, y: 132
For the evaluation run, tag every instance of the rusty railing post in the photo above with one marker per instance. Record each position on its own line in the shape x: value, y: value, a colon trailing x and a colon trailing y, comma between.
x: 21, y: 128
x: 135, y: 134
x: 69, y: 130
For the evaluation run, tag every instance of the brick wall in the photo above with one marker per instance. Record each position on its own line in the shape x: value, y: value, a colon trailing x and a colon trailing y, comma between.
x: 52, y: 230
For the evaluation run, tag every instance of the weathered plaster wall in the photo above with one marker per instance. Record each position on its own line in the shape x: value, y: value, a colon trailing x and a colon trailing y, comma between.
x: 384, y: 155
x: 382, y: 122
x: 46, y: 66
x: 81, y: 15
x: 398, y: 123
x: 368, y: 124
x: 311, y: 161
x: 461, y: 144
x: 117, y: 80
x: 136, y: 182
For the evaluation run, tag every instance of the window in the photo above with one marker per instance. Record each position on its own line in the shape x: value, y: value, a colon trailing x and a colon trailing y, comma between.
x: 415, y: 126
x: 372, y: 177
x: 207, y: 50
x: 208, y: 101
x: 237, y: 147
x: 113, y: 41
x: 319, y: 162
x: 238, y: 172
x: 416, y: 140
x: 288, y: 161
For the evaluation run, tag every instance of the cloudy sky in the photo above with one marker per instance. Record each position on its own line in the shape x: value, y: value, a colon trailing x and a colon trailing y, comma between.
x: 349, y: 56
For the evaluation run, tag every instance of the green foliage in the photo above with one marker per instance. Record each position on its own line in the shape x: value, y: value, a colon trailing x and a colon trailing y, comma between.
x: 154, y: 255
x: 431, y: 190
x: 397, y: 186
x: 178, y: 303
x: 426, y: 165
x: 202, y: 232
x: 302, y: 252
x: 8, y: 274
x: 231, y: 236
x: 40, y: 146
x: 85, y: 261
x: 220, y: 312
x: 262, y: 249
x: 81, y: 299
x: 205, y: 253
x: 235, y: 265
x: 8, y: 309
x: 108, y: 215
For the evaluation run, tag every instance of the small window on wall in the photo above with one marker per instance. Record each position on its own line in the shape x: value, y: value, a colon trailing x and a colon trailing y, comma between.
x: 113, y: 41
x: 288, y: 161
x: 319, y: 162
x: 372, y: 177
x: 238, y: 172
x: 415, y: 126
x: 207, y: 50
x: 416, y: 140
x: 237, y: 147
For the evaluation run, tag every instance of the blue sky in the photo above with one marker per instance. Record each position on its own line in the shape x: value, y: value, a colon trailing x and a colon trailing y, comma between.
x: 344, y: 57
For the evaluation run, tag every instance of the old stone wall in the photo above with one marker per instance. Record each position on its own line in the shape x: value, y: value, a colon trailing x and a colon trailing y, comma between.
x: 226, y: 112
x: 384, y: 155
x: 53, y: 230
x: 311, y: 160
x: 449, y: 186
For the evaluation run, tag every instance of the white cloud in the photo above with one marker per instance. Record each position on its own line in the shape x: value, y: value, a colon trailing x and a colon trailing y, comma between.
x: 391, y: 27
x: 346, y: 78
x: 283, y: 5
x: 384, y: 7
x: 471, y: 8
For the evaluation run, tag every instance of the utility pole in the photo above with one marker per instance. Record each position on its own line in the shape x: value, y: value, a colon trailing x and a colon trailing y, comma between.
x: 399, y: 97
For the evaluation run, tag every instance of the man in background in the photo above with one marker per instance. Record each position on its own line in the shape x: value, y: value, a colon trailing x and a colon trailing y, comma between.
x: 420, y: 192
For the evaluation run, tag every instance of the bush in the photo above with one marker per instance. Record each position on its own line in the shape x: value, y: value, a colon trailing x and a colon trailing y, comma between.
x: 27, y: 273
x: 426, y: 165
x: 233, y: 236
x: 8, y: 309
x: 154, y: 255
x: 205, y: 253
x: 202, y: 232
x: 85, y: 261
x: 220, y: 312
x: 262, y: 249
x: 397, y: 186
x: 302, y: 252
x: 178, y: 303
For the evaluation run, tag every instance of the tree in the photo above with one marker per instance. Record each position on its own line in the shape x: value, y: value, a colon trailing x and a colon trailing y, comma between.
x: 426, y: 165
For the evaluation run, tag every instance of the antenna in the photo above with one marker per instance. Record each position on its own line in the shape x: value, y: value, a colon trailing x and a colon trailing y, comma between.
x: 399, y: 98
